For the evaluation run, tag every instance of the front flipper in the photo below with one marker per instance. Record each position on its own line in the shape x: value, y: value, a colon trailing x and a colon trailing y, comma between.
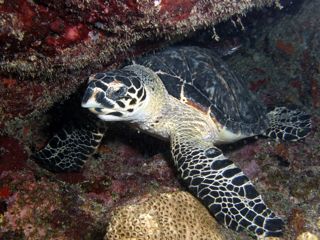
x: 223, y: 188
x: 69, y: 148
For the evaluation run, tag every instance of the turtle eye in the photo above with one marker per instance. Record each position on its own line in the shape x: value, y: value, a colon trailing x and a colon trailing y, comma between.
x: 116, y: 94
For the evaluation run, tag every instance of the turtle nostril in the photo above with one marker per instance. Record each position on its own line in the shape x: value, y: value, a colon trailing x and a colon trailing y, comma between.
x: 98, y: 110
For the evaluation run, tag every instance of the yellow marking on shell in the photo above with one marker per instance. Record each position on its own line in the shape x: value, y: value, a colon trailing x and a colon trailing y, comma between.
x: 189, y: 102
x: 182, y: 97
x: 196, y: 106
x: 215, y: 121
x: 224, y: 135
x: 228, y: 136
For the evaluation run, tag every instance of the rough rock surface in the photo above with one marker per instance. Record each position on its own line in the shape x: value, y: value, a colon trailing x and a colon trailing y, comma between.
x: 48, y: 48
x: 280, y: 62
x: 38, y: 208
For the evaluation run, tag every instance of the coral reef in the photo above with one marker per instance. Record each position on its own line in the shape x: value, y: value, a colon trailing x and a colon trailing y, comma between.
x: 171, y: 216
x: 50, y: 47
x: 44, y: 209
x: 281, y: 65
x: 35, y: 204
x: 307, y: 236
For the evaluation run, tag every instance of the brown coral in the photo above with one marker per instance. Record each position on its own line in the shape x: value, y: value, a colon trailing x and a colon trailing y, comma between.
x: 175, y: 216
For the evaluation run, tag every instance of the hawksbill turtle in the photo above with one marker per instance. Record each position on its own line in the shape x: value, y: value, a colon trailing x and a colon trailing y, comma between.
x: 186, y: 95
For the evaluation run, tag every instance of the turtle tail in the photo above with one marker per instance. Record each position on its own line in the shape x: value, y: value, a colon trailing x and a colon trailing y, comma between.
x: 287, y: 124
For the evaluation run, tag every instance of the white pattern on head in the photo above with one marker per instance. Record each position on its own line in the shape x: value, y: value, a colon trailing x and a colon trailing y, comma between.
x: 117, y: 96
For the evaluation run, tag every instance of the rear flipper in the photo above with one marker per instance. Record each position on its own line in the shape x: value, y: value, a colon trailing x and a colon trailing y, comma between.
x: 69, y: 148
x: 288, y: 125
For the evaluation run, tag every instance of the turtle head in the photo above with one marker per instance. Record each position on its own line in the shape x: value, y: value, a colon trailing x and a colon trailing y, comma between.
x: 115, y: 96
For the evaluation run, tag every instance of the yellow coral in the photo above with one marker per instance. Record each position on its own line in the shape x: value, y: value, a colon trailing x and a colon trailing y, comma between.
x: 269, y: 238
x: 170, y: 216
x: 307, y: 236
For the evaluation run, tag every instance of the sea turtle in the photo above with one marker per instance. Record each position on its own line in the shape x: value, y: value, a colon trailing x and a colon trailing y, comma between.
x: 188, y: 96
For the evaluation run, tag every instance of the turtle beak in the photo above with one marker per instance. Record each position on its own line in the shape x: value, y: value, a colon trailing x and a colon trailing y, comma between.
x: 88, y: 101
x: 94, y: 98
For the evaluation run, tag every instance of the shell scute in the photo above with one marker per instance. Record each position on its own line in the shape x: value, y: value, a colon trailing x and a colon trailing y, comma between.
x: 199, y: 78
x: 196, y: 98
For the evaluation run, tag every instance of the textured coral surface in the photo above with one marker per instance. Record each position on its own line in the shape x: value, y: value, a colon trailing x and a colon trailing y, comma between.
x: 176, y: 216
x: 55, y: 45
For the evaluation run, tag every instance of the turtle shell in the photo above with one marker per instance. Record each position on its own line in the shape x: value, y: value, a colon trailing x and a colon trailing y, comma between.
x: 200, y: 78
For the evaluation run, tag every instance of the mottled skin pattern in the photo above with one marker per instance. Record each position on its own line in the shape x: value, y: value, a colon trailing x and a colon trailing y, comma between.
x: 187, y: 96
x: 75, y: 146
